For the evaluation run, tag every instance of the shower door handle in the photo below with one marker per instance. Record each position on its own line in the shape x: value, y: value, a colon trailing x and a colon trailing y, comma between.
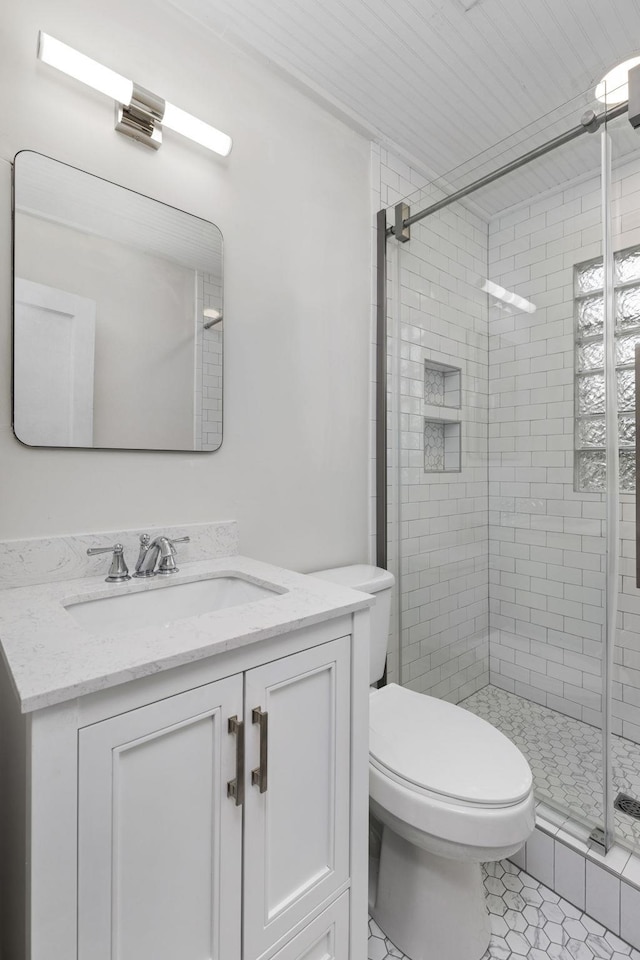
x: 637, y: 372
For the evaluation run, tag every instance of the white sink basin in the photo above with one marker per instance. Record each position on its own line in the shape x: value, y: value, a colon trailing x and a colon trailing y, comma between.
x: 161, y: 605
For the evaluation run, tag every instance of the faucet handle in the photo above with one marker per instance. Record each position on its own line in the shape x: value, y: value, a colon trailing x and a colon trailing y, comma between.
x: 118, y: 571
x: 167, y: 563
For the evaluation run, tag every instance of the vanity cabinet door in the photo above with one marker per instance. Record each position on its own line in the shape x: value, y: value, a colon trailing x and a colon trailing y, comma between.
x: 325, y: 938
x: 159, y: 840
x: 296, y: 849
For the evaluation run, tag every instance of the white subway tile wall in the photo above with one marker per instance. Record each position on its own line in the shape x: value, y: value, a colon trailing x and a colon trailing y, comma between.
x: 391, y: 181
x: 547, y: 547
x: 630, y: 914
x: 444, y: 511
x: 570, y: 875
x: 540, y: 852
x: 546, y: 542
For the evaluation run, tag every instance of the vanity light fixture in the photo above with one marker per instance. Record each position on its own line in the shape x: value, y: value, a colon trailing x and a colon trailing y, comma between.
x: 140, y: 114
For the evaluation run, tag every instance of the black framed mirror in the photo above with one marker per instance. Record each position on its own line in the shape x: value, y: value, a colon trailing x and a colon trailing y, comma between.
x: 118, y: 315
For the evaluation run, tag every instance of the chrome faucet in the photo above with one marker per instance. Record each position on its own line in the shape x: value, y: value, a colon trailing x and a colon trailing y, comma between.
x: 118, y: 571
x: 150, y: 550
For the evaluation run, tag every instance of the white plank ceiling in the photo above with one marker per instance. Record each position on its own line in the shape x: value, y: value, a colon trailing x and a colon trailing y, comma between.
x: 441, y: 80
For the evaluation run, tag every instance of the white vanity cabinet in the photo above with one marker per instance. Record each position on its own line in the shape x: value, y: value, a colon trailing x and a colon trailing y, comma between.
x: 159, y: 843
x: 324, y: 938
x: 296, y: 832
x: 162, y: 848
x: 141, y: 845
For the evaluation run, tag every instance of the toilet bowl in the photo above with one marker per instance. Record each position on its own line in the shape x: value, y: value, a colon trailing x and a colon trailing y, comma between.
x: 450, y: 791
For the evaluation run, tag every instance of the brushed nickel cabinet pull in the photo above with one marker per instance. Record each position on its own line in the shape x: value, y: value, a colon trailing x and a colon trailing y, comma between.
x: 259, y: 775
x: 235, y: 788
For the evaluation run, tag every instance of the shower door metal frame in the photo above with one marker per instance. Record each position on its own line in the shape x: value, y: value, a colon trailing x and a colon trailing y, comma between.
x: 381, y: 389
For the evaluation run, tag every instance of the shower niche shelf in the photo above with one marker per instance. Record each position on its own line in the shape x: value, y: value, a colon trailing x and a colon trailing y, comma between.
x: 442, y: 385
x: 442, y: 446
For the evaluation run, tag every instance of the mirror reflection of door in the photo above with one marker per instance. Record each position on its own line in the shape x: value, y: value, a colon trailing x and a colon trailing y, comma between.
x: 154, y: 275
x: 53, y: 366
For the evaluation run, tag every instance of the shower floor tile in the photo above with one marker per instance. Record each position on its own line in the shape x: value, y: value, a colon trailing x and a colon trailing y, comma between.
x: 565, y: 757
x: 528, y: 922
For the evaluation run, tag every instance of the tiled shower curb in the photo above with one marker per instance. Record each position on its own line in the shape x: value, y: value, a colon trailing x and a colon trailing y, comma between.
x: 560, y: 855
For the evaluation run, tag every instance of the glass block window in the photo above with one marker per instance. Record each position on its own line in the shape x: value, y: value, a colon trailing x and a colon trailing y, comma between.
x: 590, y: 429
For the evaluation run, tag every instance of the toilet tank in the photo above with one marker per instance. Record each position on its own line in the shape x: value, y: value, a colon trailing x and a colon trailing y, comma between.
x: 378, y: 582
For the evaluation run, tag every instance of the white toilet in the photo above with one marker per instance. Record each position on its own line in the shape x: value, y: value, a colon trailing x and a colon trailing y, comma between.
x: 451, y: 792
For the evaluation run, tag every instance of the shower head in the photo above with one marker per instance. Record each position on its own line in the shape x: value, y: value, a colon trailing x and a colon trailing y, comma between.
x: 211, y: 317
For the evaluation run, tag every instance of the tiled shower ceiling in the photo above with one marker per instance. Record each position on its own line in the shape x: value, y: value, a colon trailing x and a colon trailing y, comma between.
x: 440, y: 79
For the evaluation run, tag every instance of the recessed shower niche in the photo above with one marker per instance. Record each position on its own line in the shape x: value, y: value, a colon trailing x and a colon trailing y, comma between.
x: 441, y: 384
x: 442, y: 427
x: 442, y: 446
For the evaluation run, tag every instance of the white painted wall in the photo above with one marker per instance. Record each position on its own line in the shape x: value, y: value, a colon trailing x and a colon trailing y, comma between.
x: 292, y: 201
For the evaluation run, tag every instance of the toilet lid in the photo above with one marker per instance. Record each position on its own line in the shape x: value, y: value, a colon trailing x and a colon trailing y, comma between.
x: 444, y: 749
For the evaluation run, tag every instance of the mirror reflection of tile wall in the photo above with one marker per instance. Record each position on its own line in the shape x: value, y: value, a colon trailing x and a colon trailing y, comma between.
x: 208, y: 386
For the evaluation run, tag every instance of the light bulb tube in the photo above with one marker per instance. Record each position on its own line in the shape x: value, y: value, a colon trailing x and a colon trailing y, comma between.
x: 197, y: 130
x: 84, y: 69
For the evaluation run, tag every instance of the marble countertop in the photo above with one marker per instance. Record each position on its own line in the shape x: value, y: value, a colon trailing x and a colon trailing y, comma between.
x: 52, y: 659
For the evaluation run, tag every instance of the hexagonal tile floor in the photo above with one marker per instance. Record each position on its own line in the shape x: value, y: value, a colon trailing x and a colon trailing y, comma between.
x: 565, y: 756
x: 528, y: 922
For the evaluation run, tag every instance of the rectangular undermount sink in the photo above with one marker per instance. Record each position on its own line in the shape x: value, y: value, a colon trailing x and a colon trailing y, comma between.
x: 162, y: 604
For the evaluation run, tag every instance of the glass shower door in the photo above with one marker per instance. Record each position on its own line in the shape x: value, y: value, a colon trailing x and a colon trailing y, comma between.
x: 497, y: 476
x: 623, y: 289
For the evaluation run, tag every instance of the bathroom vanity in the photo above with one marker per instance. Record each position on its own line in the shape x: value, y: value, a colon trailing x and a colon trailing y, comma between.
x: 187, y: 788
